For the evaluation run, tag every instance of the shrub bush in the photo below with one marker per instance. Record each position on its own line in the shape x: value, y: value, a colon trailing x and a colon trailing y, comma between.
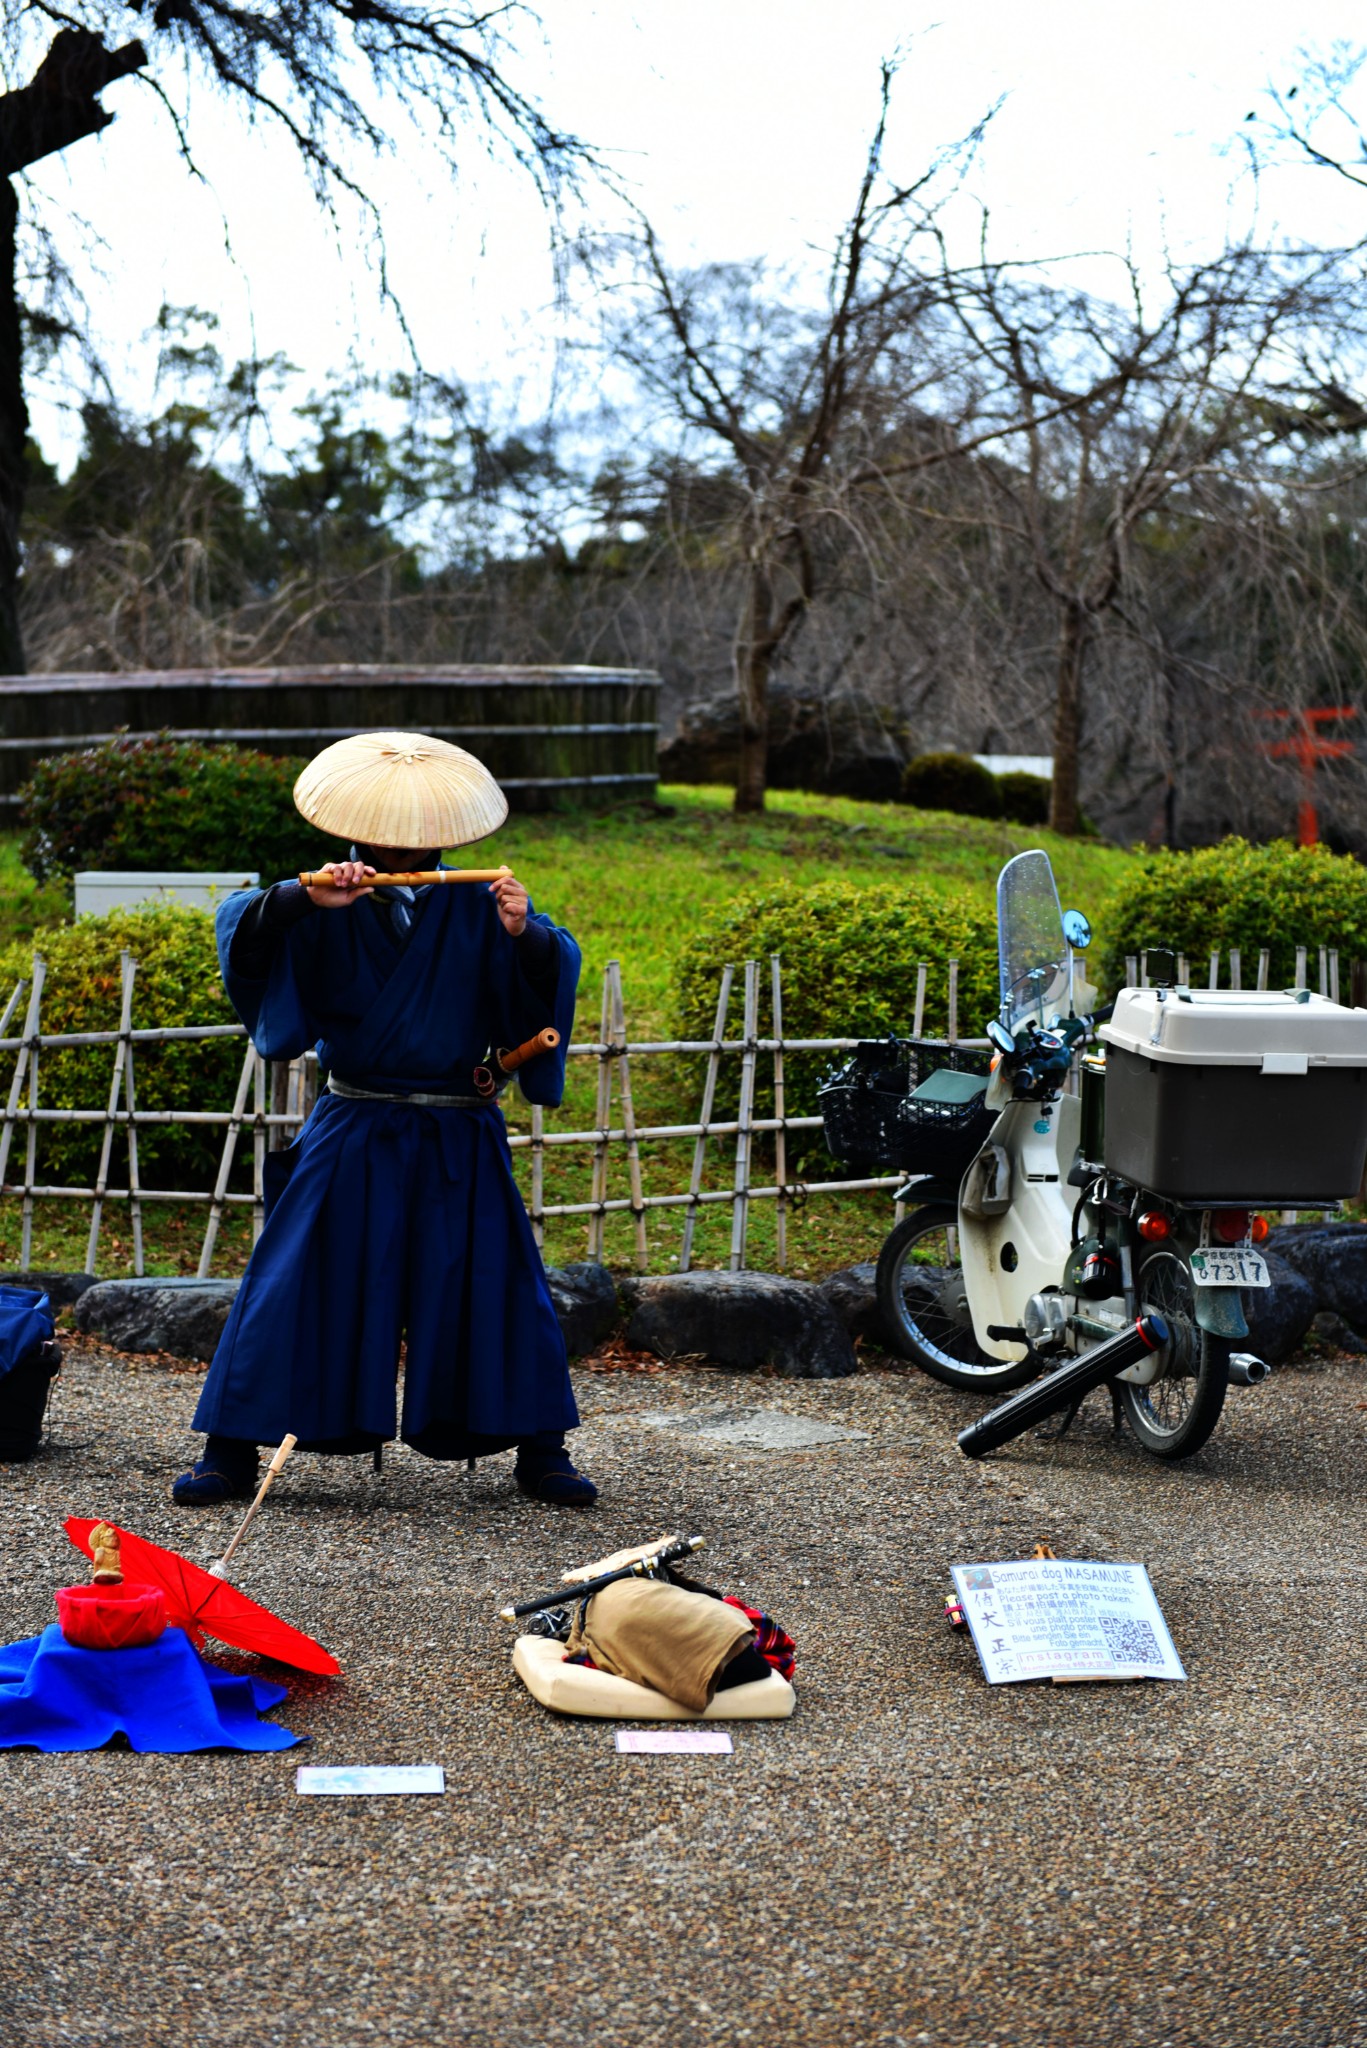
x: 178, y: 983
x: 1024, y: 798
x: 166, y: 803
x: 1234, y: 894
x: 951, y: 782
x: 849, y: 956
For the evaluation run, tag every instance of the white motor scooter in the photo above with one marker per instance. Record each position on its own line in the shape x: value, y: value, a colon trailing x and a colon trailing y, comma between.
x: 1108, y: 1234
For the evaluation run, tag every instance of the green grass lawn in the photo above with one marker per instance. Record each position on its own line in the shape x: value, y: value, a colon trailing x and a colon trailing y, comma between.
x: 632, y: 883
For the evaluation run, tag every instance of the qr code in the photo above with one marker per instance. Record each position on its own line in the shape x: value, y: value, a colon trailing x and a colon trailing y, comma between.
x: 1130, y: 1641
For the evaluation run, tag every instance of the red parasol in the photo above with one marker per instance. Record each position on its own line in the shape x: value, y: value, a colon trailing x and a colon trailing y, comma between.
x: 203, y: 1605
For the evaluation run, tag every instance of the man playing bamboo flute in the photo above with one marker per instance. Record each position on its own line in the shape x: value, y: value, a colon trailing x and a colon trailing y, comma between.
x: 394, y: 1215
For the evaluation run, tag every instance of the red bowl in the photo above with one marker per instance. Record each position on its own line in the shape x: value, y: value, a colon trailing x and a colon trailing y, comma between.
x: 111, y: 1617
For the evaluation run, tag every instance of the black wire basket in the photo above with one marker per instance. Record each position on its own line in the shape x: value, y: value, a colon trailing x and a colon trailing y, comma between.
x: 874, y: 1121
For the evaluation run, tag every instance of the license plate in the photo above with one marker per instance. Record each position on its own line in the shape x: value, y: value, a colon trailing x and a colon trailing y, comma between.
x: 1237, y: 1268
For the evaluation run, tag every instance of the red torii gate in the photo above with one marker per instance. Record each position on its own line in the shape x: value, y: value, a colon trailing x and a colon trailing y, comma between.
x: 1304, y: 744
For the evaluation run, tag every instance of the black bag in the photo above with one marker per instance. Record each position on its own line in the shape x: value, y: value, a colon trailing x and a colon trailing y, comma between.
x: 29, y: 1362
x: 875, y: 1118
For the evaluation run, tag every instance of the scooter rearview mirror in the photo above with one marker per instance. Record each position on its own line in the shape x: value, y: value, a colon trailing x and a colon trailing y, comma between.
x: 1001, y: 1037
x: 1076, y: 930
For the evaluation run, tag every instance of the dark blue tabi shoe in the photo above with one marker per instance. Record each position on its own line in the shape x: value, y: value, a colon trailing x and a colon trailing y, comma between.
x: 227, y: 1471
x: 544, y: 1471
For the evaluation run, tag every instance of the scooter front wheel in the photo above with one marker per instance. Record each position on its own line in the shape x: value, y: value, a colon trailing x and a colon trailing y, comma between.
x: 923, y: 1303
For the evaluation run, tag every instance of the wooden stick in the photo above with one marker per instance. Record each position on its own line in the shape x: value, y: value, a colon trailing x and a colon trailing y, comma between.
x: 10, y: 1007
x: 705, y: 1118
x: 545, y: 1041
x: 781, y: 1136
x: 598, y: 1187
x: 619, y: 1032
x: 321, y: 879
x: 740, y: 1202
x: 30, y: 1151
x: 225, y: 1164
x: 131, y: 1098
x: 128, y: 968
x: 220, y: 1569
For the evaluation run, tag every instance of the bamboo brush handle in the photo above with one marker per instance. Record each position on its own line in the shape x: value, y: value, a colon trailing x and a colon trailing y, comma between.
x: 545, y: 1041
x: 321, y: 880
x: 219, y: 1567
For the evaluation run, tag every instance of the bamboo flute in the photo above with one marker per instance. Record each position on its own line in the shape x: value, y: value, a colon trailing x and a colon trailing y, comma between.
x: 545, y: 1041
x: 320, y: 878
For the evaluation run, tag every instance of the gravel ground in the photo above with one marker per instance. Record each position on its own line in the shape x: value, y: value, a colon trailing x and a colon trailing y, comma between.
x: 914, y: 1858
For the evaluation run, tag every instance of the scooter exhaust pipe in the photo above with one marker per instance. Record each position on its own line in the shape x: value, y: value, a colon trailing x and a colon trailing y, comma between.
x: 1069, y: 1383
x: 1247, y: 1371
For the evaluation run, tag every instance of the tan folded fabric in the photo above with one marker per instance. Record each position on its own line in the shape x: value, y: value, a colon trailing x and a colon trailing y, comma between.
x: 662, y: 1636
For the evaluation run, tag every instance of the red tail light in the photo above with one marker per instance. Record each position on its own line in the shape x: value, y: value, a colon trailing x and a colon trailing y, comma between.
x: 1260, y: 1228
x: 1231, y: 1225
x: 1153, y: 1226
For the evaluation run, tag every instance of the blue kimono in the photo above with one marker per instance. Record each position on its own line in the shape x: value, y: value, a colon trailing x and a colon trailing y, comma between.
x: 397, y: 1221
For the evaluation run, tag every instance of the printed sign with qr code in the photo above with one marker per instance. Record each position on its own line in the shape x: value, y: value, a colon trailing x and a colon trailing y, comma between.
x: 1065, y: 1618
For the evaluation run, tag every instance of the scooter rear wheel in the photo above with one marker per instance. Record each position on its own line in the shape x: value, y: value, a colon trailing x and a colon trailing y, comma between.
x: 924, y: 1306
x: 1175, y: 1414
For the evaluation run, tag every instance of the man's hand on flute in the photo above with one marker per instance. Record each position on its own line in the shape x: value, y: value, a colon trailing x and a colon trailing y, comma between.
x: 347, y: 884
x: 511, y: 899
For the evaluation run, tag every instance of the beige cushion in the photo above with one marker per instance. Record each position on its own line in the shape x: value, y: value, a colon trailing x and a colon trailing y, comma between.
x: 574, y: 1689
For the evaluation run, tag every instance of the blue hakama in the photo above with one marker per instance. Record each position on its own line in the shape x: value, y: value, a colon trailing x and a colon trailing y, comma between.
x: 397, y: 1221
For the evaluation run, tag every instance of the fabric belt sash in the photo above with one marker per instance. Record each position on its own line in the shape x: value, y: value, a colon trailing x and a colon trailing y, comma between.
x: 354, y: 1094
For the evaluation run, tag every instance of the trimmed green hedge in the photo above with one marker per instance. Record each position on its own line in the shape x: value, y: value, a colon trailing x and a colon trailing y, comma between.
x: 849, y: 955
x: 166, y: 803
x: 958, y: 783
x: 1024, y: 798
x: 951, y: 782
x: 1235, y: 894
x: 177, y: 983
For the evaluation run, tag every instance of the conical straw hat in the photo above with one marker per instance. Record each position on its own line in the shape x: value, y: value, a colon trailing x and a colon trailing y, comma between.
x: 401, y: 789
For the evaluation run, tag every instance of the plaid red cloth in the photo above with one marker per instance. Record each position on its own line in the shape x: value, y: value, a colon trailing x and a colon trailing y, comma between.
x: 774, y: 1644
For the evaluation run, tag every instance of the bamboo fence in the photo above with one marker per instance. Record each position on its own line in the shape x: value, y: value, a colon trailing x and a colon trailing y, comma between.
x: 1137, y: 969
x: 273, y: 1099
x: 281, y: 1096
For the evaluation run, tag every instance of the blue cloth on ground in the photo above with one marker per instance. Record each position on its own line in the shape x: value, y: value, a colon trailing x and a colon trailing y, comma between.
x: 164, y: 1697
x: 396, y: 1221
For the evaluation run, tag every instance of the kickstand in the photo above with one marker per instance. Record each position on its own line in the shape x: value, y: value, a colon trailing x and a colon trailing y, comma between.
x: 1045, y: 1436
x: 377, y: 1459
x: 1054, y: 1436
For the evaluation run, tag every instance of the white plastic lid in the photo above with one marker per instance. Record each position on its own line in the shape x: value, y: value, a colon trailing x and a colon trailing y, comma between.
x: 1276, y: 1030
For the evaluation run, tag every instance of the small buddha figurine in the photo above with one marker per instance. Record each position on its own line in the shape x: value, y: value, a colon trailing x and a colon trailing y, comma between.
x: 104, y: 1545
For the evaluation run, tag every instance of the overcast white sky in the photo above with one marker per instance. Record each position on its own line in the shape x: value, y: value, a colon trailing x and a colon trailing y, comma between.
x: 742, y: 125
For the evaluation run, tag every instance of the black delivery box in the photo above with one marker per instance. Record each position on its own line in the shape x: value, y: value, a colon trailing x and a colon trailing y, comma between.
x: 1255, y: 1096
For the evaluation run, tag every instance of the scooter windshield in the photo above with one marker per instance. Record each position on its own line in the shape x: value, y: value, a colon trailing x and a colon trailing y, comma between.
x: 1033, y: 953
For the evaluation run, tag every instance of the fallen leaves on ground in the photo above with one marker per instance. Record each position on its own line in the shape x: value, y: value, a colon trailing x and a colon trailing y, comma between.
x: 615, y: 1356
x: 97, y: 1347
